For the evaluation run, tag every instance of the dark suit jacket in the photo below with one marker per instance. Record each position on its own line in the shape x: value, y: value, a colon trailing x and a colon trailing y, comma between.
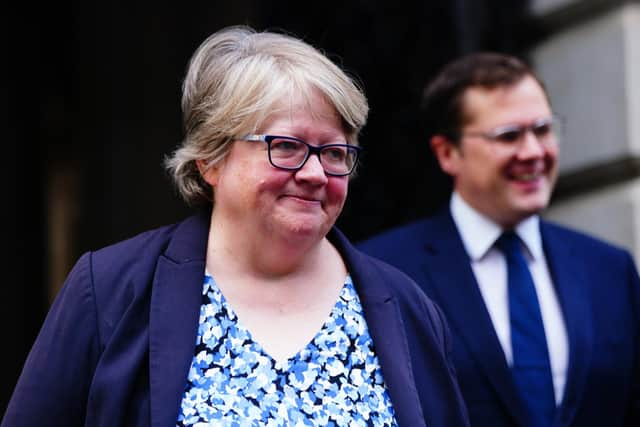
x: 118, y: 341
x: 599, y: 292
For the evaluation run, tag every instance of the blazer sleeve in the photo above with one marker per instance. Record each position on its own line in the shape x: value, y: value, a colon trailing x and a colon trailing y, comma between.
x: 53, y: 386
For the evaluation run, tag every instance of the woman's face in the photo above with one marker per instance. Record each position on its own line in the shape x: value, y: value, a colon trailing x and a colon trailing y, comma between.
x: 253, y: 196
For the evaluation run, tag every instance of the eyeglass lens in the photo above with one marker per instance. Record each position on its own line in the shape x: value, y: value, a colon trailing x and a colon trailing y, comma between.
x: 543, y: 130
x: 292, y: 154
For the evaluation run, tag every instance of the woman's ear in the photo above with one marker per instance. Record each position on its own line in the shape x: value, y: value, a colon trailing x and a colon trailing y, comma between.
x: 209, y: 174
x: 447, y: 153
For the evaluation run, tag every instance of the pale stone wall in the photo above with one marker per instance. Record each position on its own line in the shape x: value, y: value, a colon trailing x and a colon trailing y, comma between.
x: 591, y: 68
x: 612, y: 213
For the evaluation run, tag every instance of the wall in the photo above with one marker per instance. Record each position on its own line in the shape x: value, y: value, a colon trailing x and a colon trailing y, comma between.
x: 590, y: 62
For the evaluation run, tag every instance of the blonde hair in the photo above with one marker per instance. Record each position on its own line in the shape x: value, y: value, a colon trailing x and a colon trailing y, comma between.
x: 235, y: 80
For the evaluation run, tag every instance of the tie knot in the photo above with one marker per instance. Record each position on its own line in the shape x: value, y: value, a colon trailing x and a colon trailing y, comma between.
x: 509, y: 243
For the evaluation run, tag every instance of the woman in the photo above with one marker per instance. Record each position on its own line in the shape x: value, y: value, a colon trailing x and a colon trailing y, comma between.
x: 256, y: 311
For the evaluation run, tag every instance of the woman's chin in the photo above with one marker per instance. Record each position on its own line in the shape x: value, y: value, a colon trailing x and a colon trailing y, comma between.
x: 304, y: 229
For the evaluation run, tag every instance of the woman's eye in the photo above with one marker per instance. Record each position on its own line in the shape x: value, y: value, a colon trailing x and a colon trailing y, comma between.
x: 285, y: 145
x: 334, y: 153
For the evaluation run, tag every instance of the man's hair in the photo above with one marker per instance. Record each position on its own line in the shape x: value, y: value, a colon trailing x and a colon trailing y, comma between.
x: 236, y: 79
x: 442, y: 103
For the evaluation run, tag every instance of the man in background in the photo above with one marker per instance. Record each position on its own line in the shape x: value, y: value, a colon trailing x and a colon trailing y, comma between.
x: 545, y: 320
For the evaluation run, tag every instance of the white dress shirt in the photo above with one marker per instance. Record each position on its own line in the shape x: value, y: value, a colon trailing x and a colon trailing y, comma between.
x: 478, y: 235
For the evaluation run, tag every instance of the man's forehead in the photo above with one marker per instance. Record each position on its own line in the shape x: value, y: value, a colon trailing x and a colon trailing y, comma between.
x: 525, y: 98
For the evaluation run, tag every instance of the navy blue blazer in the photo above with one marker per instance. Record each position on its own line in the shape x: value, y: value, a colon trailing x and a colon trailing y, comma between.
x: 116, y: 346
x: 599, y: 292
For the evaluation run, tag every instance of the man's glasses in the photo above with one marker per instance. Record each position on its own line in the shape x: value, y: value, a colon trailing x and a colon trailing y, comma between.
x: 289, y: 153
x: 545, y: 130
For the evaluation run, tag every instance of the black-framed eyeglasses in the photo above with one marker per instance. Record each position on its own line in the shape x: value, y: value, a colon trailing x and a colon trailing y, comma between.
x: 546, y: 130
x: 289, y: 153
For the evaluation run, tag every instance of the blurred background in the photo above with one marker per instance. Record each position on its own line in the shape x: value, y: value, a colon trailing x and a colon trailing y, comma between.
x: 93, y: 106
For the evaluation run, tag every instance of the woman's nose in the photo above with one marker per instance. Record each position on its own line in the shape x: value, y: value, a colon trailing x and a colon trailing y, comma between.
x: 312, y: 170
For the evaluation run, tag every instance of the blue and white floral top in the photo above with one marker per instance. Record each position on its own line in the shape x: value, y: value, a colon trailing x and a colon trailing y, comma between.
x: 334, y: 381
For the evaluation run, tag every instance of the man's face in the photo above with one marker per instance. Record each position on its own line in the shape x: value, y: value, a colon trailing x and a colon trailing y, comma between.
x: 505, y: 181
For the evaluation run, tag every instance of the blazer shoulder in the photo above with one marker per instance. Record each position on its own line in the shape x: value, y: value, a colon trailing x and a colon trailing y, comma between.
x: 122, y: 273
x: 143, y: 246
x: 396, y: 281
x: 383, y: 269
x: 403, y: 238
x: 409, y: 295
x: 580, y: 241
x: 402, y: 231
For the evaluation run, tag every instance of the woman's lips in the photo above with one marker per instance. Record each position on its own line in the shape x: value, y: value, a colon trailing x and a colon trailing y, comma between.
x: 303, y: 199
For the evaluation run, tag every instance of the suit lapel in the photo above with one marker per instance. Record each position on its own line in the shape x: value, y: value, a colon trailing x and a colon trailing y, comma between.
x: 449, y: 275
x: 175, y: 307
x: 386, y: 329
x: 570, y: 282
x: 388, y: 334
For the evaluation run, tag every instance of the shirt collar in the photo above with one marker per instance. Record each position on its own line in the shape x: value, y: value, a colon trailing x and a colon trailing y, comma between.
x: 478, y: 232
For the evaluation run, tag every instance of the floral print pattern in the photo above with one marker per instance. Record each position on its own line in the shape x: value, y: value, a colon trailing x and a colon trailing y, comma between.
x: 335, y: 380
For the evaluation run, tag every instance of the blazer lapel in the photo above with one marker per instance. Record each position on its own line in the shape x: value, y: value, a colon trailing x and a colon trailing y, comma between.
x: 386, y: 329
x: 175, y: 307
x: 448, y: 273
x: 570, y: 284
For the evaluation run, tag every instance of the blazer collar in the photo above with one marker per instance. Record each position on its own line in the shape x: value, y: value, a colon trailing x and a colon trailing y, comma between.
x: 173, y: 322
x: 385, y: 326
x: 189, y: 241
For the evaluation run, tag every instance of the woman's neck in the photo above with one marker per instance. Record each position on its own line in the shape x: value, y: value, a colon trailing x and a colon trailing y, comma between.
x: 281, y: 290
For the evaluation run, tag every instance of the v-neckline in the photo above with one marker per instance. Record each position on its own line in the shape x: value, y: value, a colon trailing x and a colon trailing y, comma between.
x: 282, y: 366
